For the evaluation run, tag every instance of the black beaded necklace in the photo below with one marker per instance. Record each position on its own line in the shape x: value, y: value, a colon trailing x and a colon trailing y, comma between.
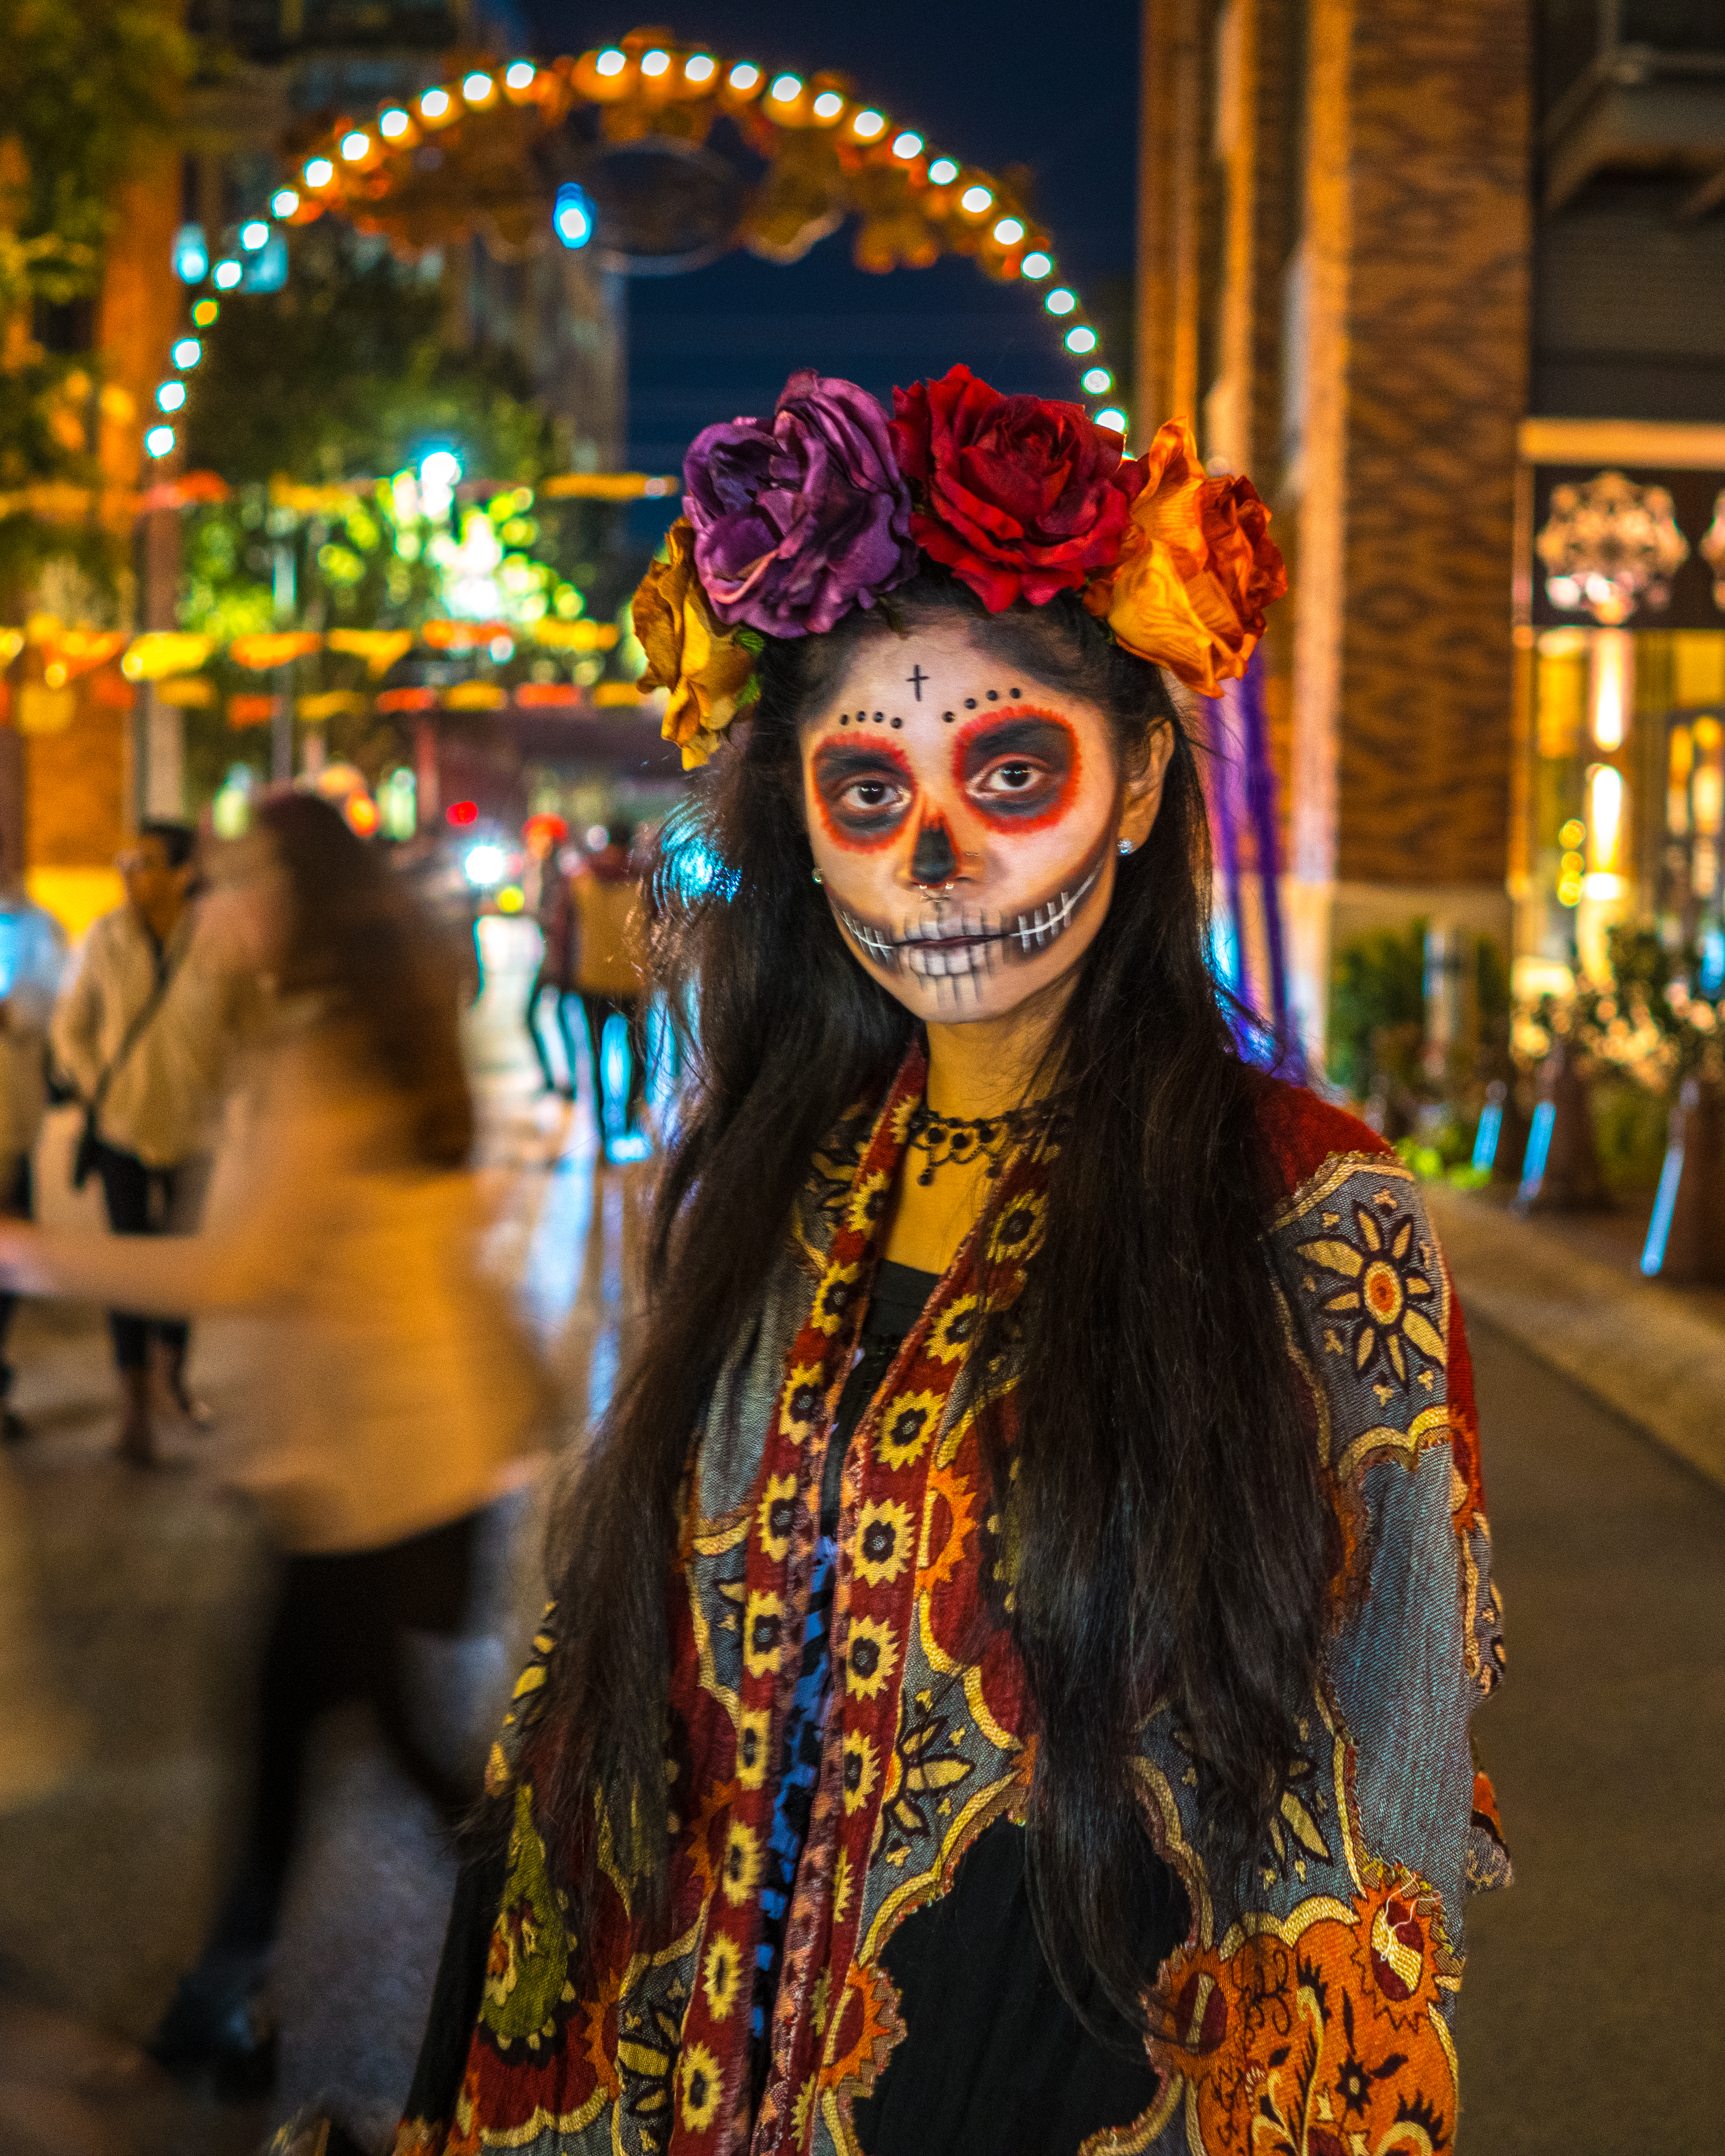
x: 958, y: 1140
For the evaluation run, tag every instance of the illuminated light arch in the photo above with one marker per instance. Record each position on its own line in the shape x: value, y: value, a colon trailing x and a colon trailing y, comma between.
x: 461, y: 153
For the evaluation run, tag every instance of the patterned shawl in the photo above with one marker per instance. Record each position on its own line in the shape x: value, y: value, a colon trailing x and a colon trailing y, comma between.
x: 1315, y: 2013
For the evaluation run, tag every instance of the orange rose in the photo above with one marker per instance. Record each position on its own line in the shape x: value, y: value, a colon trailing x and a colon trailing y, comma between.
x: 708, y: 669
x: 1196, y: 570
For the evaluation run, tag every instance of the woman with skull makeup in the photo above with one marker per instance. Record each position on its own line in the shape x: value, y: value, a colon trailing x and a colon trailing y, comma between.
x: 1015, y: 1637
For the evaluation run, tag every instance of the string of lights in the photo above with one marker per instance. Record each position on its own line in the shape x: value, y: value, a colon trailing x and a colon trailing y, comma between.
x: 913, y: 201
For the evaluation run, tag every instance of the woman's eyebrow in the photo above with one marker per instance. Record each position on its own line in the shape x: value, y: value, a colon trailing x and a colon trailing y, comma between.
x: 847, y: 760
x: 1003, y: 735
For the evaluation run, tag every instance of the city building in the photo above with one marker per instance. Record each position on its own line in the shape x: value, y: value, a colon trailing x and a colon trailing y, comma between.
x: 1415, y: 269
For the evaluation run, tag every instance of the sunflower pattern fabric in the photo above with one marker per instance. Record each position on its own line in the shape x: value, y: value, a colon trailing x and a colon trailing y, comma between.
x: 1311, y: 2018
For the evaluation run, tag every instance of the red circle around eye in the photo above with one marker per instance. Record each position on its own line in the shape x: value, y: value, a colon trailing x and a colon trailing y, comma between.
x: 988, y: 722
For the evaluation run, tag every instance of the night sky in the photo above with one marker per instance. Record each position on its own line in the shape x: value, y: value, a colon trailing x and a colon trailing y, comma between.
x: 1053, y: 88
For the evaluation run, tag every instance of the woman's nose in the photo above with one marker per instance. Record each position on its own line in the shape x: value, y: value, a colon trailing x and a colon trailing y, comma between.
x: 933, y: 858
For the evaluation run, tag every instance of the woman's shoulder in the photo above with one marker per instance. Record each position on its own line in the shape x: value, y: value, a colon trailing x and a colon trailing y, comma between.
x: 1305, y: 1133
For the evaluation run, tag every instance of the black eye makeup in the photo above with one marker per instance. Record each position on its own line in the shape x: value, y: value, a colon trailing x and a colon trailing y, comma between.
x: 864, y: 789
x: 1018, y: 768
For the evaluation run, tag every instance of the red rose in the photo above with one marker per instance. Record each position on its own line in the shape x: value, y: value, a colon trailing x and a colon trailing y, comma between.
x: 1021, y: 497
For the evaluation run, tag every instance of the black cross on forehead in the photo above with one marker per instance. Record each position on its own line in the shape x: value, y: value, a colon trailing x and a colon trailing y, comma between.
x: 916, y: 677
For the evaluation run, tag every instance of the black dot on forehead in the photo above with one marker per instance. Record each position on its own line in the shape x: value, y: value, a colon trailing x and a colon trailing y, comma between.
x: 898, y: 722
x: 844, y: 718
x: 1014, y: 694
x: 880, y: 718
x: 949, y: 716
x: 970, y: 703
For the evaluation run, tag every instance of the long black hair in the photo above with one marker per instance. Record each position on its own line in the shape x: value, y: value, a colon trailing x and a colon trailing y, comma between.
x: 1171, y: 1533
x: 358, y: 939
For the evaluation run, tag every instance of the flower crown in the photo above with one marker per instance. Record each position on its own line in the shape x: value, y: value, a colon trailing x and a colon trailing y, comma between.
x: 792, y: 522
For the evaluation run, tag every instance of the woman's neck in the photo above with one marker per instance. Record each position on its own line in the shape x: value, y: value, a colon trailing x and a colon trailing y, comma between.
x: 993, y: 1066
x: 975, y: 1072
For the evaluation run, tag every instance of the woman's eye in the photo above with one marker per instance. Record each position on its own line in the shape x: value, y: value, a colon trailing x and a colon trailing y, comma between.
x: 1012, y: 778
x: 868, y: 794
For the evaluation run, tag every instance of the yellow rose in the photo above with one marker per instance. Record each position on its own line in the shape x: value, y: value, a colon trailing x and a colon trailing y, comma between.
x: 707, y: 668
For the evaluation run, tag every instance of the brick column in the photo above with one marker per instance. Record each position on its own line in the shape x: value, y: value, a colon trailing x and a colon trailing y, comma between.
x: 1416, y: 264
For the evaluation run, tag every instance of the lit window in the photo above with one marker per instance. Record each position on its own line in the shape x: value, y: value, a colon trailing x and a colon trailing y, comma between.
x: 1008, y: 232
x: 828, y: 104
x: 943, y: 171
x: 477, y: 88
x: 394, y: 124
x: 1081, y: 339
x: 744, y: 76
x: 159, y: 441
x: 907, y: 146
x: 1036, y: 265
x: 976, y: 200
x: 610, y: 62
x: 318, y: 172
x: 867, y: 125
x: 519, y: 74
x: 283, y: 201
x: 655, y: 64
x: 434, y: 104
x: 699, y: 67
x: 786, y: 89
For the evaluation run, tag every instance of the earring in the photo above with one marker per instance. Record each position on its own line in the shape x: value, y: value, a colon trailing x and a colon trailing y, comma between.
x: 1126, y: 845
x: 817, y: 876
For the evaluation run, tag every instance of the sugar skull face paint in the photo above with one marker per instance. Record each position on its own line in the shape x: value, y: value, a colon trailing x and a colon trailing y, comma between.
x: 964, y: 817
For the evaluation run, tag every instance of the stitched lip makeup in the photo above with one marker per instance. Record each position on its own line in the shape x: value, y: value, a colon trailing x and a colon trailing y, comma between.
x: 961, y: 939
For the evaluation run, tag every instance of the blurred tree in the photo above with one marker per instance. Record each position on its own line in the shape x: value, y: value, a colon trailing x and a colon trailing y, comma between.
x: 86, y: 86
x: 1377, y: 1007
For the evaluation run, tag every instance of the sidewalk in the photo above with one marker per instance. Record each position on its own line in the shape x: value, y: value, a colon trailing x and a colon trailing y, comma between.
x: 1567, y: 1287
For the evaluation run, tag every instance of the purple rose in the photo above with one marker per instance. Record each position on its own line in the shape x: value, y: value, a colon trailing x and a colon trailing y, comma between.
x: 799, y: 519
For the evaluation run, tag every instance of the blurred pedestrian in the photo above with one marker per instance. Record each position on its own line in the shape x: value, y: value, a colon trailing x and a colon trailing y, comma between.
x: 33, y: 957
x: 397, y: 1400
x: 546, y: 891
x: 145, y: 1033
x: 609, y: 975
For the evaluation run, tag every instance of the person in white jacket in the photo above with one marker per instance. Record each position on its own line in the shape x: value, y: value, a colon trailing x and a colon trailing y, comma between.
x: 395, y: 1398
x: 144, y: 1032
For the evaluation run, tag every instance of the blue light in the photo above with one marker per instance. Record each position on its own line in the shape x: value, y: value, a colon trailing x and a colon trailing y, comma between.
x: 1659, y: 1228
x: 266, y: 270
x: 1545, y: 1116
x: 1712, y: 959
x: 572, y: 216
x: 1485, y: 1142
x: 191, y: 254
